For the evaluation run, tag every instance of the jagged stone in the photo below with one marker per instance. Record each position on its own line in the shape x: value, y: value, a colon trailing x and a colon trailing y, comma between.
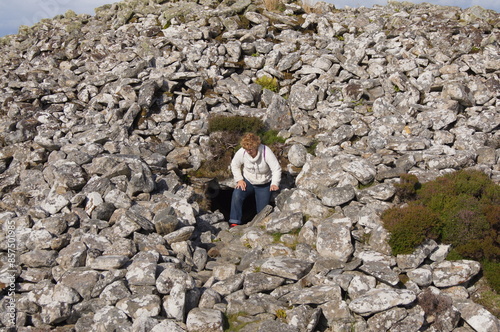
x: 381, y: 271
x: 412, y: 261
x: 286, y: 267
x: 360, y: 284
x: 137, y: 306
x: 109, y: 262
x: 205, y: 320
x: 175, y: 303
x: 377, y: 300
x: 315, y: 295
x: 286, y: 222
x: 114, y: 292
x: 110, y: 318
x: 337, y: 196
x: 334, y: 239
x: 477, y: 317
x: 81, y: 279
x: 452, y: 273
x: 172, y: 276
x: 39, y: 258
x: 142, y: 271
x: 229, y: 285
x: 260, y: 282
x: 182, y: 234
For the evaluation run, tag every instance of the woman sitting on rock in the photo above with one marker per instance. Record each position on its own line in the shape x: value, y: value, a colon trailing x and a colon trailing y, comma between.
x: 260, y: 176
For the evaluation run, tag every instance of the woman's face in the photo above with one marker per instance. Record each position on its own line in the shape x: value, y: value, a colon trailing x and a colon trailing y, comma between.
x: 252, y: 152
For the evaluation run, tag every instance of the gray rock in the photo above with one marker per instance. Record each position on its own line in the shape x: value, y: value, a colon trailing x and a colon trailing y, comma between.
x: 165, y: 222
x: 182, y: 234
x: 337, y: 196
x: 205, y: 320
x: 286, y: 267
x: 39, y: 258
x: 377, y: 300
x: 55, y: 312
x: 260, y: 282
x: 114, y: 292
x: 169, y: 277
x: 110, y: 318
x: 81, y: 279
x: 136, y: 306
x: 285, y: 222
x: 334, y: 239
x: 314, y: 295
x: 168, y: 325
x: 175, y: 303
x: 229, y: 285
x: 412, y: 261
x: 477, y: 317
x: 108, y: 262
x: 381, y: 271
x: 452, y: 273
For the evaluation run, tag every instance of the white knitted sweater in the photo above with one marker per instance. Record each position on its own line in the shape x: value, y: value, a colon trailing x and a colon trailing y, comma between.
x: 262, y: 169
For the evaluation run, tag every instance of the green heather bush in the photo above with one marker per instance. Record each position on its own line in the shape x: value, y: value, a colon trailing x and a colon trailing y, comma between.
x: 410, y: 226
x: 407, y: 188
x: 461, y: 209
x: 270, y: 138
x: 238, y: 124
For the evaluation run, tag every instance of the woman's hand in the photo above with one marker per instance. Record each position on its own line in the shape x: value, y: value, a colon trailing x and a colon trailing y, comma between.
x: 274, y: 188
x: 241, y: 185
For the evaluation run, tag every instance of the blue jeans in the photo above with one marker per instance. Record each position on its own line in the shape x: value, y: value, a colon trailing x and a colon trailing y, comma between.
x: 262, y: 196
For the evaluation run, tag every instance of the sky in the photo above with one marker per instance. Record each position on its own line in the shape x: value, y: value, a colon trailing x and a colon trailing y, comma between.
x: 28, y: 12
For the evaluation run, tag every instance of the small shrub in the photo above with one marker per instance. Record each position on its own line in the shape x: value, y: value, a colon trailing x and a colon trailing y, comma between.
x: 266, y: 82
x: 435, y: 305
x: 470, y: 182
x: 238, y: 124
x: 467, y: 202
x: 271, y: 137
x: 410, y: 226
x: 461, y: 209
x: 491, y: 271
x: 406, y: 189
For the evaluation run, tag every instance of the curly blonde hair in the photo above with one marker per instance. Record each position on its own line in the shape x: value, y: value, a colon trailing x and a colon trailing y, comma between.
x: 250, y: 141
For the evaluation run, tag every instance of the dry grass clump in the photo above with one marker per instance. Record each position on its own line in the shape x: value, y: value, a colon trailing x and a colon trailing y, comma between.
x: 274, y: 5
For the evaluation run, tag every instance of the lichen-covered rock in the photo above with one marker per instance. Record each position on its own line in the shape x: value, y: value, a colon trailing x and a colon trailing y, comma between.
x: 205, y: 320
x: 452, y: 273
x: 377, y: 300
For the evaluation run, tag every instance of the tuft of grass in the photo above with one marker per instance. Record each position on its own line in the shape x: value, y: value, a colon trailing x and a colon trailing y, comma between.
x: 238, y: 124
x: 233, y: 322
x: 276, y: 237
x: 281, y: 313
x: 274, y: 5
x: 312, y: 148
x: 270, y: 137
x: 267, y: 82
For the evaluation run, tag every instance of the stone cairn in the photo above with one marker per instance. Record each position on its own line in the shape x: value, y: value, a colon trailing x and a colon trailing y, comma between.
x: 103, y: 116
